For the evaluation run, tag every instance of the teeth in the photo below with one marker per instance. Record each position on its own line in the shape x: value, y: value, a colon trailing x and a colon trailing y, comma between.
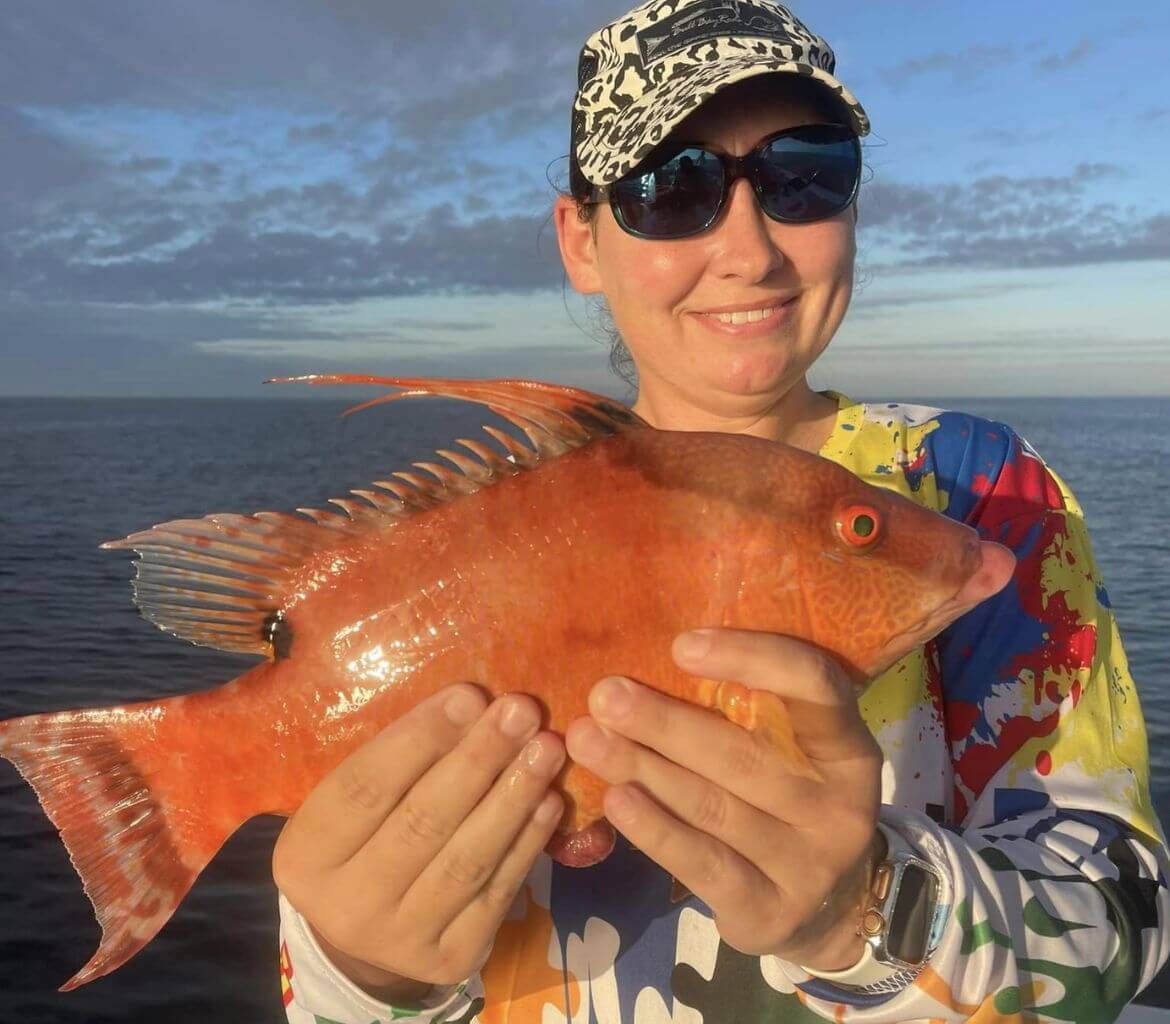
x: 750, y: 317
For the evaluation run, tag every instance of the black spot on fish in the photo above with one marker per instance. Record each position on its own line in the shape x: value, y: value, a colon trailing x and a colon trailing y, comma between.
x: 277, y: 632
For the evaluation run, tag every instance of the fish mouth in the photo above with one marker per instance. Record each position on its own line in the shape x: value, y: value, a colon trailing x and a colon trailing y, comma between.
x: 993, y: 565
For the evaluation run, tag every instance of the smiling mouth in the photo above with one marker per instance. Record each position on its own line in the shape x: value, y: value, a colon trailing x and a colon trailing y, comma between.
x: 753, y: 315
x: 748, y: 317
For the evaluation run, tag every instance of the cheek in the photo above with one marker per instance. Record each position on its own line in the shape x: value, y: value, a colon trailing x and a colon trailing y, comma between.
x: 826, y: 252
x: 824, y: 264
x: 645, y: 282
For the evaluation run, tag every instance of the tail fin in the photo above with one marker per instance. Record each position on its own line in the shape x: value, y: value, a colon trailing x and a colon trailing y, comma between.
x: 136, y: 849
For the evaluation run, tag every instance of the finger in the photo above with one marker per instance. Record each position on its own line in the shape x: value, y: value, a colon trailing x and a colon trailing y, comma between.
x: 734, y: 889
x: 821, y: 699
x: 705, y: 743
x: 480, y: 920
x: 436, y: 805
x: 352, y: 802
x: 696, y: 801
x: 473, y: 854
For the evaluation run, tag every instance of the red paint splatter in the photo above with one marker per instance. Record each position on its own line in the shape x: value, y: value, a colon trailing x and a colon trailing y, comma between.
x: 1023, y: 486
x: 934, y: 681
x: 1023, y: 507
x: 286, y: 975
x: 916, y: 467
x: 977, y: 765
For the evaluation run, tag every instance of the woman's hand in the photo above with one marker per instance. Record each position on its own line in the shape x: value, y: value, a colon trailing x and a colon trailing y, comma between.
x: 783, y: 862
x: 406, y: 858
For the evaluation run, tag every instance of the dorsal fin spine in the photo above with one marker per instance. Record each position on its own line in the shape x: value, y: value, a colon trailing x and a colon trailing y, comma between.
x: 473, y: 469
x: 495, y: 463
x: 522, y: 455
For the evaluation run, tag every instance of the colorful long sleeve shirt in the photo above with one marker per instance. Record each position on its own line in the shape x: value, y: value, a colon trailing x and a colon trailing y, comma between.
x: 1015, y: 761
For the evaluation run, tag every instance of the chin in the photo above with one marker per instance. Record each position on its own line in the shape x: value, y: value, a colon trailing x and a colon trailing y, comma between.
x: 757, y: 375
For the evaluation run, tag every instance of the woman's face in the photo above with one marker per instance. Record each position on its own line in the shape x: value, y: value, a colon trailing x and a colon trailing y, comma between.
x: 666, y: 297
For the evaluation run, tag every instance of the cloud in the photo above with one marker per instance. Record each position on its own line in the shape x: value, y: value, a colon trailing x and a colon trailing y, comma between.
x: 39, y: 162
x: 961, y: 65
x: 1020, y: 347
x: 867, y: 305
x: 438, y: 253
x: 301, y: 53
x: 1069, y: 58
x: 966, y: 65
x: 80, y: 349
x: 1000, y: 221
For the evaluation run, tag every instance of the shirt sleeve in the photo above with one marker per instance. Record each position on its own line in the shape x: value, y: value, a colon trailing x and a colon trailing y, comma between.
x: 1055, y: 859
x: 316, y: 992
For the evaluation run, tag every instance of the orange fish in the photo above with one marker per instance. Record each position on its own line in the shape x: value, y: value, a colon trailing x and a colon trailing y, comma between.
x: 578, y: 557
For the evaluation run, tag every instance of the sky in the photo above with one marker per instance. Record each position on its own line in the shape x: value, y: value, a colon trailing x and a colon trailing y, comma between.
x: 194, y: 197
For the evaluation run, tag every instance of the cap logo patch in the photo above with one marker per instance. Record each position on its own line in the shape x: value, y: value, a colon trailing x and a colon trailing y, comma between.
x: 700, y: 23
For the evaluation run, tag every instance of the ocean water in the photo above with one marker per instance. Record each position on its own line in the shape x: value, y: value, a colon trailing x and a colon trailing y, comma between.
x: 76, y: 472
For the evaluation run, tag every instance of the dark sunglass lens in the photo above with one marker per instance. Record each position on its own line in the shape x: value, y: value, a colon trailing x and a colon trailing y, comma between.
x: 810, y: 174
x: 676, y: 198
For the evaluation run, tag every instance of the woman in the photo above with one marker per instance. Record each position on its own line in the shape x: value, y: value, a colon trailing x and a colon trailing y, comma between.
x: 999, y: 773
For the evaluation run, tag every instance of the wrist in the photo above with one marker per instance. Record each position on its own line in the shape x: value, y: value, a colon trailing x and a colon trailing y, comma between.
x: 384, y: 986
x: 833, y: 940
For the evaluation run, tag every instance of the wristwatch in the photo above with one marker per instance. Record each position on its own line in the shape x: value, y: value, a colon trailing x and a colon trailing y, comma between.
x: 904, y: 919
x: 902, y: 924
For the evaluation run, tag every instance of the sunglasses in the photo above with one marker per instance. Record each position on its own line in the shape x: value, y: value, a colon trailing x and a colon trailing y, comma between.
x: 800, y: 176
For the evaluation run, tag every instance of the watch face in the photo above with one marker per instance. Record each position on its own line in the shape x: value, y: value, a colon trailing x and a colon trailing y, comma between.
x: 909, y: 928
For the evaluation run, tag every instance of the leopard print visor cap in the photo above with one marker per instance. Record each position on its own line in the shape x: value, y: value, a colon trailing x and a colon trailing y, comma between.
x: 639, y: 76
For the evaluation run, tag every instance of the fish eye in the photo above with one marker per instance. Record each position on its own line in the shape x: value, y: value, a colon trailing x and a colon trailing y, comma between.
x: 859, y: 526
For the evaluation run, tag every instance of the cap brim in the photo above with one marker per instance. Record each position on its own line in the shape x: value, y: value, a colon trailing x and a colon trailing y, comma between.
x: 619, y: 145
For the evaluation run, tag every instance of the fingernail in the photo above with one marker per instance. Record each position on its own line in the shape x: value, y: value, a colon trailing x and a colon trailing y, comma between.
x: 589, y: 743
x: 461, y: 707
x: 517, y: 719
x: 614, y: 697
x: 694, y: 645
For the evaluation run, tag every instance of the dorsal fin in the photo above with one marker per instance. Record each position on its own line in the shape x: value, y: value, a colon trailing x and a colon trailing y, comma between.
x: 221, y: 581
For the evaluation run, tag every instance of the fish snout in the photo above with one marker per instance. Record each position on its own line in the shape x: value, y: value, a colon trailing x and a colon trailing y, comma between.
x: 992, y: 566
x: 983, y: 569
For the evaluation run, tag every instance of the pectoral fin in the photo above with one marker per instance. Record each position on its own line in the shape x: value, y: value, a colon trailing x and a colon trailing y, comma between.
x: 766, y: 716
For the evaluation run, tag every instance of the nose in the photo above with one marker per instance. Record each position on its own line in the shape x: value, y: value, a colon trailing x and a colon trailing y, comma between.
x: 744, y: 246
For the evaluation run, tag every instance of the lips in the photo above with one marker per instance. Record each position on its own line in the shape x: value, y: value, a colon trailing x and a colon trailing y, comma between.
x: 748, y: 319
x: 772, y: 302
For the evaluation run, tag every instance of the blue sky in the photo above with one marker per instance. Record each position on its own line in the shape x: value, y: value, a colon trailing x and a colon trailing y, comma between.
x: 196, y: 197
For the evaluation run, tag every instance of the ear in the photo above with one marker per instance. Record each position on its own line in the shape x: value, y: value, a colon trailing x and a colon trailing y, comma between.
x: 578, y: 247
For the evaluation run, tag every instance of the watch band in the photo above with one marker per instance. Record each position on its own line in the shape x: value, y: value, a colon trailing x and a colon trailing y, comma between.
x: 867, y: 975
x: 905, y: 915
